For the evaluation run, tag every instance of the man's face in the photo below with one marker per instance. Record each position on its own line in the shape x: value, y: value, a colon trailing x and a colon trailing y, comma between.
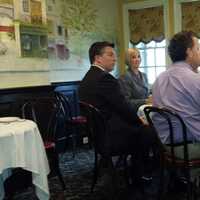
x: 107, y: 59
x: 193, y: 54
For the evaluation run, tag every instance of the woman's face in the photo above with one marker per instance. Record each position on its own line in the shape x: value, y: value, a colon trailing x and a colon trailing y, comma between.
x: 135, y: 59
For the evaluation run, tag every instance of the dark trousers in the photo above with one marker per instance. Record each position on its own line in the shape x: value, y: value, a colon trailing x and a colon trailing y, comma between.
x: 135, y: 139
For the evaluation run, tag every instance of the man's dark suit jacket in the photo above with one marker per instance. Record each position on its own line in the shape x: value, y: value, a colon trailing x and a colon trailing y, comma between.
x: 102, y: 90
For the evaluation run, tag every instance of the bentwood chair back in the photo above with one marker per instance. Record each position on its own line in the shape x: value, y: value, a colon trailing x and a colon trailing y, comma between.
x: 73, y: 123
x: 45, y: 112
x: 170, y: 160
x: 99, y: 137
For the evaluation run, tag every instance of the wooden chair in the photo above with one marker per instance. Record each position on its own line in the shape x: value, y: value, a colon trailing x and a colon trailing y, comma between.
x: 99, y: 138
x: 45, y: 112
x: 71, y: 92
x: 73, y: 122
x: 169, y: 159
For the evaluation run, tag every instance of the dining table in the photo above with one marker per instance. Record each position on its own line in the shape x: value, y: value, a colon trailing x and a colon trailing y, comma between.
x: 21, y: 146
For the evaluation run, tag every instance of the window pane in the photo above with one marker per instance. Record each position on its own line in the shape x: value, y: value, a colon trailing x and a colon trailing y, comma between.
x: 142, y: 69
x: 25, y: 5
x: 161, y: 44
x: 151, y: 75
x: 140, y: 45
x: 150, y: 57
x: 160, y: 70
x: 160, y: 56
x: 130, y: 45
x: 142, y: 54
x: 151, y: 44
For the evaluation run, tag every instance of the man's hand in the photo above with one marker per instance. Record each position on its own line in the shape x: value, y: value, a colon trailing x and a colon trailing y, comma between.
x: 149, y: 100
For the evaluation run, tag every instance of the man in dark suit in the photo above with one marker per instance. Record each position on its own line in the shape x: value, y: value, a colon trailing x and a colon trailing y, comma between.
x: 102, y: 90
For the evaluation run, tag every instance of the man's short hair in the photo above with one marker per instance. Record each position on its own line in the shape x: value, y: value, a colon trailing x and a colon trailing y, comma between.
x: 97, y: 49
x: 178, y: 45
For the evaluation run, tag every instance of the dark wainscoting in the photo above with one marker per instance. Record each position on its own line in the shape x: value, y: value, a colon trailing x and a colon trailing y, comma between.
x: 12, y: 99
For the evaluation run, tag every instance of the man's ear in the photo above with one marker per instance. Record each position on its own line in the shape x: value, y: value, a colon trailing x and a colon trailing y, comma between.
x: 97, y: 57
x: 189, y: 53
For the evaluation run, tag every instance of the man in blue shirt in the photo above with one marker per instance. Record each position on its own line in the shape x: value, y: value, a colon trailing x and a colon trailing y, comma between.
x: 178, y: 88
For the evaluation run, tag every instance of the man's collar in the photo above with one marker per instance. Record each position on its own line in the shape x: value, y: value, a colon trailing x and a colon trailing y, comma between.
x: 100, y: 67
x: 183, y: 64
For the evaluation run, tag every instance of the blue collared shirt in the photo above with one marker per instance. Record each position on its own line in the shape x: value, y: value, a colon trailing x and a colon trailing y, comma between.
x: 178, y: 88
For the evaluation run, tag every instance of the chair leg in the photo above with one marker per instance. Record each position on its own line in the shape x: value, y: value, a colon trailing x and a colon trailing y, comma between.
x: 189, y: 191
x: 114, y: 182
x: 54, y: 165
x: 161, y: 183
x: 126, y: 175
x: 74, y: 145
x: 190, y: 186
x: 61, y: 179
x: 89, y: 134
x: 95, y: 171
x: 194, y: 191
x: 74, y: 142
x: 58, y: 172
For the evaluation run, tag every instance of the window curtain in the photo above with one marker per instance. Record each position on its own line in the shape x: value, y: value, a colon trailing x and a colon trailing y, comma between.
x: 146, y: 24
x: 191, y: 16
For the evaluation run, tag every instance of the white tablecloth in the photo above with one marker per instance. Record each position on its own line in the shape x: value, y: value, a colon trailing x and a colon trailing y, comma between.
x: 21, y: 146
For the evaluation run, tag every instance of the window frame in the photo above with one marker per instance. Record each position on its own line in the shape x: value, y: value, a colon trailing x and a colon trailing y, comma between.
x: 141, y: 5
x: 178, y: 11
x: 25, y: 3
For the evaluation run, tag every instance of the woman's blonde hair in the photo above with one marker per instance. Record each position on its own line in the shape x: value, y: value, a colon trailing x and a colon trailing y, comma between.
x: 128, y: 54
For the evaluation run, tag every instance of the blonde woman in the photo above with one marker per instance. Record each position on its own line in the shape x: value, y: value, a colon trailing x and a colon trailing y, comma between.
x: 134, y: 83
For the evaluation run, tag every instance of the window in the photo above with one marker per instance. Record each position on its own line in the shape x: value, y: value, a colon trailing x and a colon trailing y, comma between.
x: 25, y: 5
x: 153, y: 60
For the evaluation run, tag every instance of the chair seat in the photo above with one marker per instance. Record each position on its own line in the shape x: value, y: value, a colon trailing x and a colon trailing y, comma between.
x: 79, y: 120
x: 49, y: 145
x: 180, y: 162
